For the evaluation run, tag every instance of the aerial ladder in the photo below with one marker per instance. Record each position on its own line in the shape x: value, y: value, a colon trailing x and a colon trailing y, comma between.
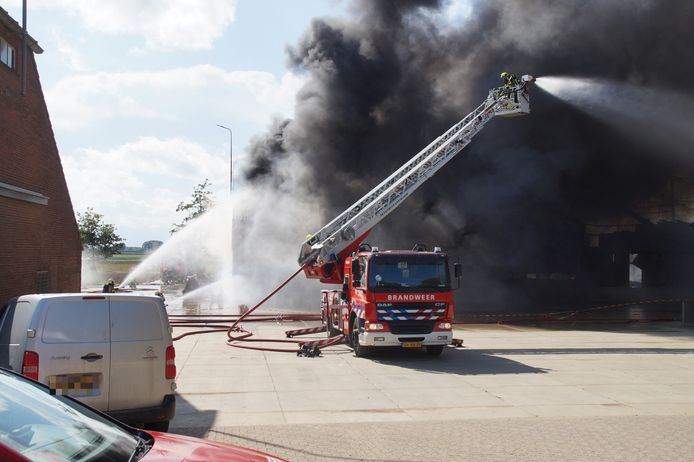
x: 322, y: 252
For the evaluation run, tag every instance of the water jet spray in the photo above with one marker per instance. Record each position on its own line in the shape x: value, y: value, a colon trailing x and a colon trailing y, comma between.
x: 658, y: 117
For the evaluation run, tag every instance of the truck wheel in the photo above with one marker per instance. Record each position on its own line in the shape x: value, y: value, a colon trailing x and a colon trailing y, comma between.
x: 359, y: 350
x: 435, y: 350
x: 158, y: 426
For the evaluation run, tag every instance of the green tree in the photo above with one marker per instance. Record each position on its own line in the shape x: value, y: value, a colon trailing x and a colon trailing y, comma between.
x: 201, y: 200
x: 98, y: 237
x: 151, y: 246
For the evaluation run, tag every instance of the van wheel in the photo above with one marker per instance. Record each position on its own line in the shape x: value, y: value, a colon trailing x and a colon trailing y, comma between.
x: 435, y: 350
x: 359, y: 350
x: 158, y: 426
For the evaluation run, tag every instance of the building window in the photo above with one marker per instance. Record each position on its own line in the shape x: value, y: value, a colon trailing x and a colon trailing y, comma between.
x: 41, y: 282
x: 7, y: 54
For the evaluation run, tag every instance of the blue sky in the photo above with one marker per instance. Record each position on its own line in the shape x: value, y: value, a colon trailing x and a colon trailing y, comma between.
x: 135, y: 90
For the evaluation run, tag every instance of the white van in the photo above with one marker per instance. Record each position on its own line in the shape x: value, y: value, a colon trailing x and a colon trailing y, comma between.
x: 111, y: 351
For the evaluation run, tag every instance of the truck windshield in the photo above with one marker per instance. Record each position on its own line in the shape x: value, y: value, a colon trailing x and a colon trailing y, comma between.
x: 408, y: 272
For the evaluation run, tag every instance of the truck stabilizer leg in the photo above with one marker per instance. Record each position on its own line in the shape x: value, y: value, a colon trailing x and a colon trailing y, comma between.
x: 306, y: 331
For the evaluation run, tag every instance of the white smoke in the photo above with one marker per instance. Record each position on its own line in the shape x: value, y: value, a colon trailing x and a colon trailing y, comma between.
x: 245, y: 245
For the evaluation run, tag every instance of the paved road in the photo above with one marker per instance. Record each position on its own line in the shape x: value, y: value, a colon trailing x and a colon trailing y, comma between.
x: 513, y: 393
x: 551, y: 439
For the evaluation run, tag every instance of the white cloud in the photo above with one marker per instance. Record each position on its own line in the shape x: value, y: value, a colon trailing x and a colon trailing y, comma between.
x: 137, y: 185
x: 79, y: 101
x: 70, y: 56
x: 164, y: 25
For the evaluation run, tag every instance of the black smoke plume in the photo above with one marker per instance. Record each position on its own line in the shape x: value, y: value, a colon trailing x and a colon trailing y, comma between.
x: 395, y: 74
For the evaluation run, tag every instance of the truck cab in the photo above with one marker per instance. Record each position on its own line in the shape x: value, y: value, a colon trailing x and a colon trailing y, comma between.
x: 393, y: 298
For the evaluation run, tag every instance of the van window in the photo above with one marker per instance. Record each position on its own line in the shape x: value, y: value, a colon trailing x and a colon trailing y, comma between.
x: 14, y: 323
x: 132, y: 321
x: 6, y: 313
x: 76, y: 322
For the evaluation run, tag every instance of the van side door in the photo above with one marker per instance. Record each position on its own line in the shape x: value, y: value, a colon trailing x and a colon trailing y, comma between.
x: 138, y: 353
x: 74, y: 350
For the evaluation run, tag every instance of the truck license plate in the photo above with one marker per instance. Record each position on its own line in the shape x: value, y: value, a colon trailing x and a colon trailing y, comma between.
x: 412, y: 345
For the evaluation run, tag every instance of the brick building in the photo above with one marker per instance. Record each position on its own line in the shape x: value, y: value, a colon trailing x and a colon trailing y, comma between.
x: 40, y: 249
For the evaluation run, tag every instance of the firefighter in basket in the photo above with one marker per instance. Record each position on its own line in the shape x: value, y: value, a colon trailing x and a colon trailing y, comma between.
x: 510, y: 83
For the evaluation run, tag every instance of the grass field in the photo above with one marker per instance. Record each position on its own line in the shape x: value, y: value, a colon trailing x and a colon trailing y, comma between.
x: 129, y: 257
x: 118, y: 266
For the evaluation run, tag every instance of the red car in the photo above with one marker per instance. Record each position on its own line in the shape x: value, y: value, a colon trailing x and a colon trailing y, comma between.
x: 36, y: 425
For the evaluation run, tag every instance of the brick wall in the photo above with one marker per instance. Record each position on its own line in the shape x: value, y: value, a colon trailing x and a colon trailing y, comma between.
x: 33, y: 237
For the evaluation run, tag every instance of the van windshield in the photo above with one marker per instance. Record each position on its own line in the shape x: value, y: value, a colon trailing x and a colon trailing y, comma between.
x: 408, y: 273
x: 44, y: 427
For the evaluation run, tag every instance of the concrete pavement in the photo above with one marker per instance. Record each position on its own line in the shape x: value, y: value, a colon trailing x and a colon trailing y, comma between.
x: 635, y: 380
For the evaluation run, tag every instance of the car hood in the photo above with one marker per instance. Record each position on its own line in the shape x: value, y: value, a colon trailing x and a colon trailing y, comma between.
x: 169, y: 447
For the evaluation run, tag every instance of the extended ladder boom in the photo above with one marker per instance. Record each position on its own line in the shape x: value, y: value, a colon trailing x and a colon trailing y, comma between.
x: 327, y: 244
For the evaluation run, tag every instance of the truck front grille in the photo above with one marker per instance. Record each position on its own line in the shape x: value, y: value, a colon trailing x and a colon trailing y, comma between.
x: 411, y: 327
x: 410, y: 311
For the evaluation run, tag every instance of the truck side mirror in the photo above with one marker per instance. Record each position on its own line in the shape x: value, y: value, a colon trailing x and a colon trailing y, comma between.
x: 356, y: 273
x: 345, y: 290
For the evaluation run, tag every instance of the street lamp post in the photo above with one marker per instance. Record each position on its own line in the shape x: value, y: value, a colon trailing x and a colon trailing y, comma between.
x: 231, y: 176
x: 231, y: 139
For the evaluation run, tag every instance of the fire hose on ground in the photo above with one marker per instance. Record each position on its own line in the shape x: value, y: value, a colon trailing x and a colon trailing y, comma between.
x: 238, y: 337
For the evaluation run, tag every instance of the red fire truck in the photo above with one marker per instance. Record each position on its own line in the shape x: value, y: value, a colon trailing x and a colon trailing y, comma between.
x: 396, y: 297
x: 392, y: 298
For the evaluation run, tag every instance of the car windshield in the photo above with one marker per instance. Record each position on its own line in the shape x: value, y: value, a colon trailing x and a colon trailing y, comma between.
x: 411, y: 272
x: 42, y: 427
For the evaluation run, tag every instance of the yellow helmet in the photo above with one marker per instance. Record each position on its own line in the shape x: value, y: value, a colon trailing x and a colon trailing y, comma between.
x: 504, y: 75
